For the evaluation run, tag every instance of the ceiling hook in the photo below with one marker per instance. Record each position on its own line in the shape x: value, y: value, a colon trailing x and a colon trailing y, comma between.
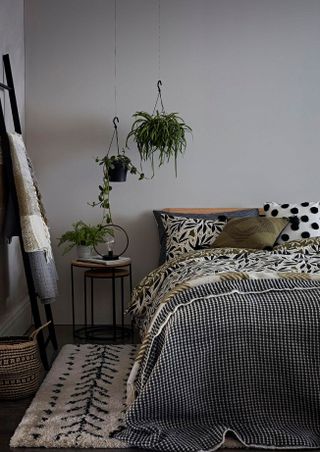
x: 115, y: 119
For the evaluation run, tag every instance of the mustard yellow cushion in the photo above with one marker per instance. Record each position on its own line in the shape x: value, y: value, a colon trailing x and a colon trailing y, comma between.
x: 255, y: 233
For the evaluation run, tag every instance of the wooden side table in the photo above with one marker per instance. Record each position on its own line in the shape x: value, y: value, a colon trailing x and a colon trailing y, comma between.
x: 101, y: 271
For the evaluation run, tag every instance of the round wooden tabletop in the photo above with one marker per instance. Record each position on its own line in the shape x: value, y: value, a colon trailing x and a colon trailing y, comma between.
x: 109, y: 265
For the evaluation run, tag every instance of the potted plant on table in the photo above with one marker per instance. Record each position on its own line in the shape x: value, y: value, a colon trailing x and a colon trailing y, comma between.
x: 85, y: 237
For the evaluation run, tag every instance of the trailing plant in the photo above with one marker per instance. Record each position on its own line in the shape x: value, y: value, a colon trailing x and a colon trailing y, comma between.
x: 85, y: 235
x: 108, y: 163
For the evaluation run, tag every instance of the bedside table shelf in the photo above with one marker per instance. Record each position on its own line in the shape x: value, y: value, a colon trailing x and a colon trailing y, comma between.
x: 99, y: 271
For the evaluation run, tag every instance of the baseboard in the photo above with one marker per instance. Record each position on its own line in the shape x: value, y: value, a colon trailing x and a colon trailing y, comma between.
x: 18, y: 321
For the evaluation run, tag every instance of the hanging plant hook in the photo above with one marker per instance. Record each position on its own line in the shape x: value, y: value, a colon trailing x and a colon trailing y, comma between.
x: 115, y: 120
x: 114, y: 135
x: 159, y: 98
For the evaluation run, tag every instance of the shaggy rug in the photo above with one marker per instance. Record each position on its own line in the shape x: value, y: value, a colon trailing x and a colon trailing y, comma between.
x: 81, y: 400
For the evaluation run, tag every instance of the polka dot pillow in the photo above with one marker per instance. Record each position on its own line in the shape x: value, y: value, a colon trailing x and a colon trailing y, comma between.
x: 304, y: 219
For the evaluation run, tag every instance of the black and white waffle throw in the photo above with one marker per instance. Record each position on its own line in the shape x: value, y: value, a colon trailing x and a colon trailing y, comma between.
x: 239, y: 356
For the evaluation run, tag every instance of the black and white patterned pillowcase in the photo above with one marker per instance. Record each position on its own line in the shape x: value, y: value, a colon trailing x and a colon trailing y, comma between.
x: 189, y: 234
x: 304, y: 219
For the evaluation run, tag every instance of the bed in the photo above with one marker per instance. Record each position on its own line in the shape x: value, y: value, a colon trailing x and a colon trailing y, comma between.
x: 231, y: 345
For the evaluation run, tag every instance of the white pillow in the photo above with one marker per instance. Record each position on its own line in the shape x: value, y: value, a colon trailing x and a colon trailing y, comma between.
x: 304, y: 219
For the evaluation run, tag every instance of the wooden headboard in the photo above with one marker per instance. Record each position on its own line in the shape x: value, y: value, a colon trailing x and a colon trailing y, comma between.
x: 207, y: 210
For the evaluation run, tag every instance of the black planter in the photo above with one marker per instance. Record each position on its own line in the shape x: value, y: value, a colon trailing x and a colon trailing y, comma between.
x: 119, y: 173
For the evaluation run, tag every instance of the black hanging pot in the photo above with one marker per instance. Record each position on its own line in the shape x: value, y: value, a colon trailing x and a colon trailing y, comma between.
x: 118, y: 173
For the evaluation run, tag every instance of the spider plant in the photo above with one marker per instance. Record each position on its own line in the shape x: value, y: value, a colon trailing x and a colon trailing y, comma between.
x: 165, y: 133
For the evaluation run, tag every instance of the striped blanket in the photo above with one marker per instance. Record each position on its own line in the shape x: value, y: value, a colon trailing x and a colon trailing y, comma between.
x: 231, y: 347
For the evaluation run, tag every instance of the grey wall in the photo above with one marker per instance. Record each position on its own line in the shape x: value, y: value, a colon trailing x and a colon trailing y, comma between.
x: 15, y: 315
x: 244, y: 73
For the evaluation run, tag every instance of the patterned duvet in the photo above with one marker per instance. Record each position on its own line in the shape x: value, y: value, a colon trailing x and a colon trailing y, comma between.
x: 231, y: 344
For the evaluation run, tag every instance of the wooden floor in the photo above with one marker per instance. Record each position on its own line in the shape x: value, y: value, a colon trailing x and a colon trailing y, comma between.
x: 11, y: 412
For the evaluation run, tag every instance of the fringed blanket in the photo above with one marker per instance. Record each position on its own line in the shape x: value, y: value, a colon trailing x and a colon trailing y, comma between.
x: 229, y: 351
x: 32, y: 219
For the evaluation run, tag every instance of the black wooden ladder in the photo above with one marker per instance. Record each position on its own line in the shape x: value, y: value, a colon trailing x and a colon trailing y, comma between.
x: 11, y: 190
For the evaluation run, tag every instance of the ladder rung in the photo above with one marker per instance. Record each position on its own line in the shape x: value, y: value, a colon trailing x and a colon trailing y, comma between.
x: 3, y: 86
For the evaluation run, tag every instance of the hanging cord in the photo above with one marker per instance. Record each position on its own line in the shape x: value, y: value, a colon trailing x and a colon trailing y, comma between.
x: 116, y: 120
x: 159, y: 98
x: 114, y: 136
x: 115, y: 59
x: 159, y: 83
x: 159, y: 40
x: 106, y: 213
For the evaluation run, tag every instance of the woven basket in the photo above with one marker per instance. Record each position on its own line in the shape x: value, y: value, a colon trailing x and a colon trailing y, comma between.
x: 20, y: 366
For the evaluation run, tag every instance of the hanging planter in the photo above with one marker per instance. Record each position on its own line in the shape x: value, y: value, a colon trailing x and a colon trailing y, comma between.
x: 115, y: 169
x: 116, y: 166
x: 160, y: 135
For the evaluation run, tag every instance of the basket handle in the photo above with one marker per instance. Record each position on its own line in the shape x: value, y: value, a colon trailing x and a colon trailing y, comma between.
x: 33, y: 335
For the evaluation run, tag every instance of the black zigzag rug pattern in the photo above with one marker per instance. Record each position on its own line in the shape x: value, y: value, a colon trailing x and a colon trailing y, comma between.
x: 81, y: 401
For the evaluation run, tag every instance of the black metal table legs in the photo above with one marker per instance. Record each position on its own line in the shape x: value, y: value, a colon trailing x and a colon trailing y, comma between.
x: 101, y: 332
